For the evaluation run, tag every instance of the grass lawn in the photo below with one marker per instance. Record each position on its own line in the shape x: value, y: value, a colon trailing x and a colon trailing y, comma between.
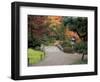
x: 34, y: 56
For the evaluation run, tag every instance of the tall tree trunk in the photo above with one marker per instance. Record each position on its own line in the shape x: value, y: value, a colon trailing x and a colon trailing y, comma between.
x: 82, y: 57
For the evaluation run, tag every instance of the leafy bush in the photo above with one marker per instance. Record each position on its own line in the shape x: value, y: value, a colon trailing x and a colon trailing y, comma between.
x: 48, y: 40
x: 81, y: 47
x: 67, y: 46
x: 33, y: 43
x: 66, y: 43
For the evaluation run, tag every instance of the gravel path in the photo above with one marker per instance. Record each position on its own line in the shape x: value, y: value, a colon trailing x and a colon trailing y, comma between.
x: 54, y: 56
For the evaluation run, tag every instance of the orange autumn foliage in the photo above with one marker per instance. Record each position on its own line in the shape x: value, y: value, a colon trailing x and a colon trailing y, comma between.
x: 54, y: 21
x: 71, y: 34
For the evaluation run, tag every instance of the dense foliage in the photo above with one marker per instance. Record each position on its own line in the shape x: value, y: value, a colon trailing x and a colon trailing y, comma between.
x: 49, y: 29
x: 81, y: 47
x: 78, y: 25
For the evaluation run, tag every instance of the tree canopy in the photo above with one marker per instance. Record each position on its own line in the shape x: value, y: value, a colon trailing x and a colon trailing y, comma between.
x: 78, y: 25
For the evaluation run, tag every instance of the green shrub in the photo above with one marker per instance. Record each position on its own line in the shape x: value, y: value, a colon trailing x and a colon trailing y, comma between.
x: 33, y: 43
x: 48, y: 40
x: 66, y: 43
x: 81, y: 47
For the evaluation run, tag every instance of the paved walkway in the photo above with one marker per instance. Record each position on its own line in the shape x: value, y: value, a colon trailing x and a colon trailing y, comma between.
x: 54, y: 56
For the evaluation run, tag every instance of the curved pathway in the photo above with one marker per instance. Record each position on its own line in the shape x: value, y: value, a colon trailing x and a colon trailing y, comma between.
x: 54, y: 56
